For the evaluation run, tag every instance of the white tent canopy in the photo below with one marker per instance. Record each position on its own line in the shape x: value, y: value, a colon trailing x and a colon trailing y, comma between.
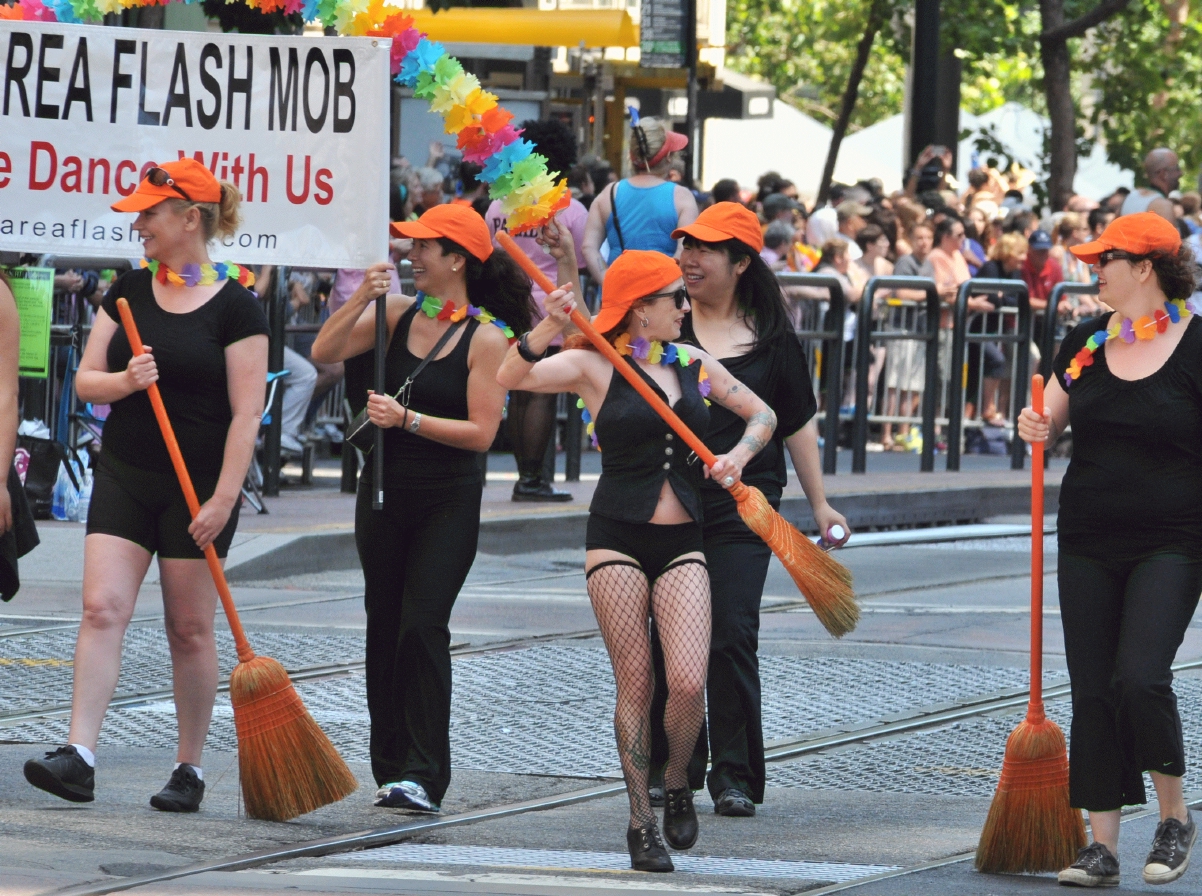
x: 790, y: 142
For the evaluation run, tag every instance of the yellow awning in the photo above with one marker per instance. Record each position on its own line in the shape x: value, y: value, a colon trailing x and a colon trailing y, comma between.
x: 529, y: 27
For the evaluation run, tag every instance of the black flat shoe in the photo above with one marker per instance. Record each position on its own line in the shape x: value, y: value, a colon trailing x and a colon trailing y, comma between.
x: 183, y: 792
x: 647, y: 851
x: 680, y: 819
x: 734, y: 803
x: 535, y: 489
x: 63, y: 773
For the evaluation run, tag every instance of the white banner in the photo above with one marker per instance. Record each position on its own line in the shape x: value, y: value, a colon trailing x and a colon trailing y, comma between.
x: 299, y: 125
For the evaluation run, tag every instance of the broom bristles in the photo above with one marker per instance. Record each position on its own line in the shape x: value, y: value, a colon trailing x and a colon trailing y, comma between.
x: 1031, y: 825
x: 823, y: 581
x: 287, y: 764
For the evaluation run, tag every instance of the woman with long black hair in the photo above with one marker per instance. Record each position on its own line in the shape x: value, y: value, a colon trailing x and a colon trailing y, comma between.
x: 644, y: 548
x: 417, y: 551
x: 738, y: 316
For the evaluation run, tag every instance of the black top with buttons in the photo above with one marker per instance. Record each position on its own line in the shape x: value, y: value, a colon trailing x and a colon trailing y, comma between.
x: 639, y: 450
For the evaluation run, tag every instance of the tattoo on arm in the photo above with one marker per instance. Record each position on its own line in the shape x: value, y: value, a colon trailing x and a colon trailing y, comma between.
x: 763, y: 418
x: 754, y: 443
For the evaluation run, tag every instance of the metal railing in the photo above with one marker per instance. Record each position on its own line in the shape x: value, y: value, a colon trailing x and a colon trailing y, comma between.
x: 865, y: 336
x: 1021, y: 339
x: 830, y: 339
x: 1051, y: 321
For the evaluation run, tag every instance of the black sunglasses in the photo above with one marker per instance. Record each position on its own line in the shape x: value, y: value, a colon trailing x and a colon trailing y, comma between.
x: 160, y: 178
x: 1104, y: 258
x: 678, y: 297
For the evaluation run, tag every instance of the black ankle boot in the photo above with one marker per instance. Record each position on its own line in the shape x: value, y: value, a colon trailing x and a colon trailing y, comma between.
x: 680, y: 819
x: 647, y: 851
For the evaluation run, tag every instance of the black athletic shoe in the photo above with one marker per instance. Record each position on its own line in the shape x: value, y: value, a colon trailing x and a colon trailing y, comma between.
x: 536, y: 489
x: 1171, y: 847
x: 647, y: 851
x: 1096, y: 866
x: 734, y: 803
x: 183, y: 792
x: 63, y: 773
x: 680, y: 819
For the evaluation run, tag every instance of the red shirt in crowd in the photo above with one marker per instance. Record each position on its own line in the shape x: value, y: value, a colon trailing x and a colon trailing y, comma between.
x: 1040, y: 281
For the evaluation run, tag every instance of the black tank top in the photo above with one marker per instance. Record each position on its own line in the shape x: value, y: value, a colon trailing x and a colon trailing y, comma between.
x: 413, y: 461
x: 639, y: 450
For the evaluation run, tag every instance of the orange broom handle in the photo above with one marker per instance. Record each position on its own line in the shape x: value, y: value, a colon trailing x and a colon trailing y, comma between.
x: 1037, y: 553
x: 185, y: 481
x: 582, y: 323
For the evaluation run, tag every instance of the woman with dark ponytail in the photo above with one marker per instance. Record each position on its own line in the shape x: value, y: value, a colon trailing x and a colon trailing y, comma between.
x: 417, y: 551
x: 738, y: 316
x: 642, y: 211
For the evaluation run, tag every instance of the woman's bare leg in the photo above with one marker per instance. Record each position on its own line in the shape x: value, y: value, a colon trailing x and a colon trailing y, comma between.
x: 190, y: 603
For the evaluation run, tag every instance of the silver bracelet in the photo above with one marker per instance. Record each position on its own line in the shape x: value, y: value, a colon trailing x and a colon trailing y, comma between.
x: 416, y: 423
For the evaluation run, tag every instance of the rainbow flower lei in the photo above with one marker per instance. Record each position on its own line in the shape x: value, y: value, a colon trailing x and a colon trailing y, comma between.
x: 517, y: 175
x: 1147, y: 327
x: 652, y: 352
x: 200, y: 274
x: 440, y: 310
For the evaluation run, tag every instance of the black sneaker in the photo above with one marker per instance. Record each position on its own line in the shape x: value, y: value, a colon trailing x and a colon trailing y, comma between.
x: 680, y: 819
x: 183, y: 792
x: 647, y: 851
x: 1171, y: 847
x: 63, y: 773
x: 734, y: 803
x: 1096, y: 866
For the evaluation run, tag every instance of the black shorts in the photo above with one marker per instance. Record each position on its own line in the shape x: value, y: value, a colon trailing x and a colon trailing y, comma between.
x: 149, y: 509
x: 652, y: 545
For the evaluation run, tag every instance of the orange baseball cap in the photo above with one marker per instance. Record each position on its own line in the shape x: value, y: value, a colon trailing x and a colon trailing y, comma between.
x: 458, y: 223
x: 185, y: 179
x: 725, y: 221
x: 633, y: 275
x: 1143, y: 233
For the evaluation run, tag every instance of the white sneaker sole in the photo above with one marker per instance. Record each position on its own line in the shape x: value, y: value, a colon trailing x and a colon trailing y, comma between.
x: 1071, y: 877
x: 1167, y: 876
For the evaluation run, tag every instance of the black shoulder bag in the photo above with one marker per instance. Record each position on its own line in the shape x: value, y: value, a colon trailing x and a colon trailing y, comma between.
x: 613, y: 204
x: 362, y: 432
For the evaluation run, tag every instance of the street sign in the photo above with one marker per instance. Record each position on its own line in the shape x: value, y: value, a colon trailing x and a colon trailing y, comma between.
x: 662, y: 34
x: 33, y: 290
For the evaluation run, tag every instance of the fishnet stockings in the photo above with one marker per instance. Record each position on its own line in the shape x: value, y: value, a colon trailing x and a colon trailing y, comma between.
x: 623, y: 603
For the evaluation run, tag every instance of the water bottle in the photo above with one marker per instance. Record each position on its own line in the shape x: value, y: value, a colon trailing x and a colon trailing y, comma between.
x: 833, y: 536
x: 58, y: 498
x: 85, y: 498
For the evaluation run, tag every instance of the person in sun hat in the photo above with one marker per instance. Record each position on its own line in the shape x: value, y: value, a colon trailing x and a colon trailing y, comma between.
x: 1130, y: 534
x: 644, y: 548
x: 206, y: 348
x: 737, y: 314
x: 417, y: 551
x: 641, y: 211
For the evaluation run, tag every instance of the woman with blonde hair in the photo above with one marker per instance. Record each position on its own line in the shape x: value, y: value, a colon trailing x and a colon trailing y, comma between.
x: 641, y: 211
x: 206, y: 349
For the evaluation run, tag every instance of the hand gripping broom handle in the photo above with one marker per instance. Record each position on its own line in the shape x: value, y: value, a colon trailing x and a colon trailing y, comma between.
x: 245, y: 653
x: 1036, y: 702
x: 658, y: 405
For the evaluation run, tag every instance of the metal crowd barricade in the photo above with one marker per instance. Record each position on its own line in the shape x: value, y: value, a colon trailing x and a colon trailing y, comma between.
x: 865, y: 336
x: 1051, y: 320
x: 830, y: 337
x: 1021, y: 339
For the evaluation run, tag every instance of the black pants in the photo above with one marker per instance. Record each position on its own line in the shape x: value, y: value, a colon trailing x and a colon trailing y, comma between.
x: 1123, y: 622
x: 738, y: 565
x: 416, y: 554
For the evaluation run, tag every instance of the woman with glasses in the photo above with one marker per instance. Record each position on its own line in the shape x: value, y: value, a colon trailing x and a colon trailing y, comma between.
x: 1130, y: 534
x: 206, y: 347
x: 645, y: 555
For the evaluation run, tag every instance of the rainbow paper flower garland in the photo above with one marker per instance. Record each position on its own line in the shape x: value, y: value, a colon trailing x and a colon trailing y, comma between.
x: 517, y: 175
x: 200, y: 274
x: 1147, y: 327
x: 438, y: 309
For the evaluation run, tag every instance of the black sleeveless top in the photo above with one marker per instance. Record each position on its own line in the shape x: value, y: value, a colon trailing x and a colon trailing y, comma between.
x: 639, y: 450
x: 413, y: 461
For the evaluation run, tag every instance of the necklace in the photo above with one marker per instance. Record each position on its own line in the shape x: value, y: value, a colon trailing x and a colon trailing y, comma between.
x: 437, y: 309
x: 199, y: 274
x: 1144, y: 329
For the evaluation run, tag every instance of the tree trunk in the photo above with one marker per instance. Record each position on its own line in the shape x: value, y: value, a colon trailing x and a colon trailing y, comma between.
x: 876, y: 17
x: 1053, y: 53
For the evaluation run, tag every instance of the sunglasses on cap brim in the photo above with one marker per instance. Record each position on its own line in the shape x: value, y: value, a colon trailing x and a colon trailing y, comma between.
x: 678, y: 297
x: 159, y: 177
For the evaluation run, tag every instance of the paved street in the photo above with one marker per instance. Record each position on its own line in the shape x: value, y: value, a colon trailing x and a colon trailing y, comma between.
x: 884, y: 746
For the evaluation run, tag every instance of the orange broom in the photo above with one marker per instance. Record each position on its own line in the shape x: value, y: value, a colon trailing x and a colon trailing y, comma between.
x: 287, y: 765
x: 1031, y: 826
x: 823, y: 581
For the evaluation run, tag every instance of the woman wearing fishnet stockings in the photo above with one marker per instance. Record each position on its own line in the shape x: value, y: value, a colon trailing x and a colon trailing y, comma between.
x: 644, y: 555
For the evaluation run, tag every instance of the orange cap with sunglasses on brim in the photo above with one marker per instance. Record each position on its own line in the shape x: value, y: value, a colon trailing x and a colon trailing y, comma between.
x: 1144, y: 233
x: 633, y: 275
x: 458, y: 223
x: 185, y: 179
x: 724, y: 221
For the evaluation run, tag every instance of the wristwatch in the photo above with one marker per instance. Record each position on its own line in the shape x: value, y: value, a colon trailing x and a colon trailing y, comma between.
x: 416, y: 423
x: 527, y: 355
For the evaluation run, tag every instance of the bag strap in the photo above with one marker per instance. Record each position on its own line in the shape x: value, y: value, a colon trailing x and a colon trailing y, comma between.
x: 613, y: 204
x: 408, y: 384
